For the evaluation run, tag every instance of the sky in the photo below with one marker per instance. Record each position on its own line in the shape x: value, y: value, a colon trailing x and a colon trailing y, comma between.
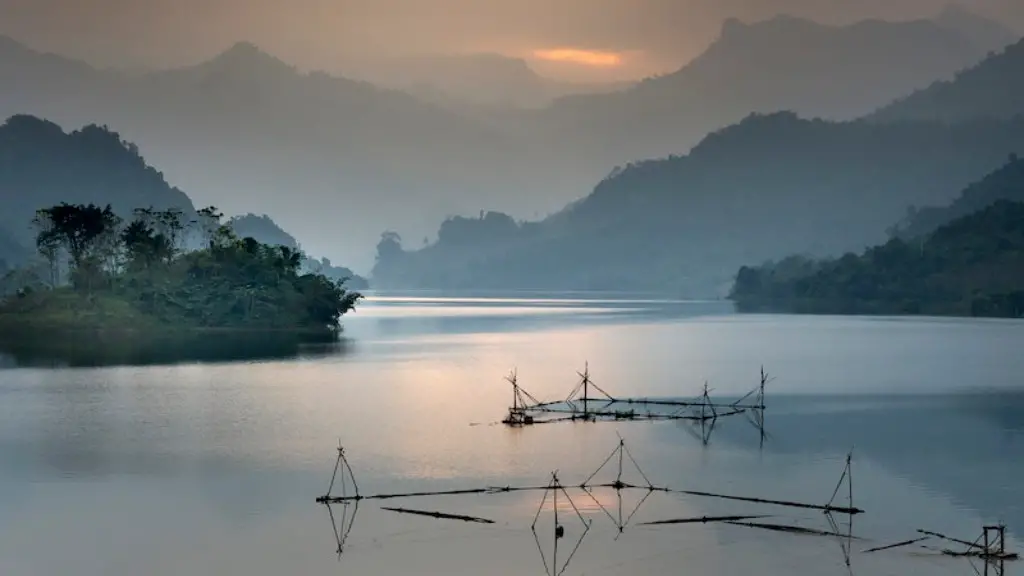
x: 596, y: 39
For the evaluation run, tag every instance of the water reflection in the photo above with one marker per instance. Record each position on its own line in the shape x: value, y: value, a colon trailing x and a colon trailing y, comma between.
x: 964, y: 446
x: 88, y: 351
x: 228, y: 455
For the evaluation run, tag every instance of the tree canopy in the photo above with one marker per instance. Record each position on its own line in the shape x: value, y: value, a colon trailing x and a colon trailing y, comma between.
x: 139, y: 275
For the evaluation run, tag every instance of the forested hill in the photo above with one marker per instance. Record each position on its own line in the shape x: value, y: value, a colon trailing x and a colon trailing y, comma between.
x: 973, y: 266
x: 767, y: 187
x: 263, y: 229
x: 992, y: 89
x: 41, y: 165
x: 1007, y: 183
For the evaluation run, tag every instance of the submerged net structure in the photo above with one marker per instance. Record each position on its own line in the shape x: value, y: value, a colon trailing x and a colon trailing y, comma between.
x: 621, y: 472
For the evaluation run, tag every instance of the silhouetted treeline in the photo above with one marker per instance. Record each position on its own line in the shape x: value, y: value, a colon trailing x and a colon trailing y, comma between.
x: 972, y: 266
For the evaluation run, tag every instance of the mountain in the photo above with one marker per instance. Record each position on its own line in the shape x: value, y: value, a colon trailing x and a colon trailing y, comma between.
x: 972, y: 266
x: 262, y: 229
x: 481, y: 79
x: 340, y: 160
x: 982, y: 32
x: 992, y: 89
x: 1006, y: 183
x: 250, y: 132
x: 785, y: 63
x: 769, y: 186
x: 41, y: 165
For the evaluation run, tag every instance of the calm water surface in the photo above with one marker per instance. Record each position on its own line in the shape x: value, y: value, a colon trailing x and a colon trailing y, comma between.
x: 212, y: 468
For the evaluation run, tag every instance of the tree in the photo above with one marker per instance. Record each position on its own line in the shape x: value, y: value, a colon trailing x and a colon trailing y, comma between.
x: 85, y: 232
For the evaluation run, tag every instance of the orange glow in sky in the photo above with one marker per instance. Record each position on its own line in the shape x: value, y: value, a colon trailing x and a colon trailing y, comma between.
x: 577, y: 56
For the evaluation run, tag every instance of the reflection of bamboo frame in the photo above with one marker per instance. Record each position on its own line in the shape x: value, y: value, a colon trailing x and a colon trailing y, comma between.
x: 555, y: 487
x: 992, y: 550
x: 342, y: 530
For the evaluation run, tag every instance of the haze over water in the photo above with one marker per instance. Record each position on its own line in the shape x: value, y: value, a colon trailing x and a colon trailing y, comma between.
x: 213, y: 468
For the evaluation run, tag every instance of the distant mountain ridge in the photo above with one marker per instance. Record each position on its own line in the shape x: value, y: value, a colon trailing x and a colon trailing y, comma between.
x: 784, y: 63
x: 340, y: 160
x: 247, y: 121
x: 994, y: 88
x: 481, y: 79
x: 769, y: 186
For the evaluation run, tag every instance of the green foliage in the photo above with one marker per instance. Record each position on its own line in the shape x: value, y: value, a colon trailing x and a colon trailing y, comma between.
x: 134, y: 277
x: 973, y: 266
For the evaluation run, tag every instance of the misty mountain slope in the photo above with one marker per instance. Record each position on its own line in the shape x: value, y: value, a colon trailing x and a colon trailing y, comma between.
x: 336, y: 158
x: 1006, y: 183
x: 981, y: 31
x: 764, y: 188
x: 992, y: 89
x: 41, y: 165
x: 785, y: 63
x: 341, y: 160
x: 31, y: 81
x: 476, y: 79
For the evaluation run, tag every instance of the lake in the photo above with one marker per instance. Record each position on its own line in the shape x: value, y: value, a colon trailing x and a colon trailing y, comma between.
x: 197, y: 466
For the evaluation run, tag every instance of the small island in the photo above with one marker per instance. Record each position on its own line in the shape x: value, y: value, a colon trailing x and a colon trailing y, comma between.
x: 161, y: 275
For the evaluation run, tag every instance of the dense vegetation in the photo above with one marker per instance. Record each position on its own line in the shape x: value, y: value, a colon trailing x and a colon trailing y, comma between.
x: 769, y: 186
x: 108, y: 275
x: 265, y: 230
x: 972, y: 266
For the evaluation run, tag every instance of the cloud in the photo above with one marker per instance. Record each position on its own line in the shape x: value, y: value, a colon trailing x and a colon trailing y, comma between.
x: 595, y: 58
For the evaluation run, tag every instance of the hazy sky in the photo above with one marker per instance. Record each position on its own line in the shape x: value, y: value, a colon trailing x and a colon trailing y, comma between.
x: 612, y: 38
